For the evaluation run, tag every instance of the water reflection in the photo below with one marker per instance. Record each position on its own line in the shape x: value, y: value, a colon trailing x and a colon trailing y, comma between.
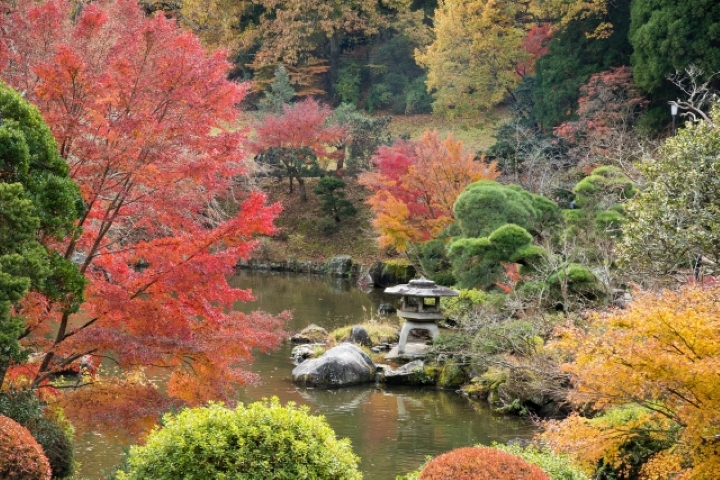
x: 391, y: 429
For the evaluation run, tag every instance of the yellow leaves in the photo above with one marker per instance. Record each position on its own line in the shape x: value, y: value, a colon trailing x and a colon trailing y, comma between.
x: 392, y: 220
x: 666, y: 465
x: 662, y: 354
x: 472, y: 61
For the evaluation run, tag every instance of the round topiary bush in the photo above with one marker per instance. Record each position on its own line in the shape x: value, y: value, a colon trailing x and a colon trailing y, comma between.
x: 49, y: 428
x: 263, y: 440
x: 480, y: 463
x: 21, y: 457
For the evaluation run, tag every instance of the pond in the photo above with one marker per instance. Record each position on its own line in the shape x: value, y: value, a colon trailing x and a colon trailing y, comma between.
x: 392, y: 429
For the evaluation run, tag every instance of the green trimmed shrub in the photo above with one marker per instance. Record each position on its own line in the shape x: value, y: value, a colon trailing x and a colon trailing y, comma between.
x: 468, y: 300
x: 478, y: 262
x: 260, y: 441
x: 435, y: 264
x: 485, y: 206
x: 480, y: 463
x: 21, y: 456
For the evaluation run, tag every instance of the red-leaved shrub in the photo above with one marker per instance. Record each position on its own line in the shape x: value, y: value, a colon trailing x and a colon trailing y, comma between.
x: 21, y: 456
x: 481, y: 463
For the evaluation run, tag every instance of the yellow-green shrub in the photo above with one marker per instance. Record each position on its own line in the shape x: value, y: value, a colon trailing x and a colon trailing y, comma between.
x: 263, y: 441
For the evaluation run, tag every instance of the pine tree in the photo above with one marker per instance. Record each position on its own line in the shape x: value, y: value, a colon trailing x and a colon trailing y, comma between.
x: 281, y: 92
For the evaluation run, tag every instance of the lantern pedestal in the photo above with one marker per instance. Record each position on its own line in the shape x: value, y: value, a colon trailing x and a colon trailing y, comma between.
x: 419, y: 307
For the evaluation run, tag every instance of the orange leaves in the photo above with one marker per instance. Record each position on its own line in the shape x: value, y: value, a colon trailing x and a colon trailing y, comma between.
x: 416, y: 184
x: 140, y: 111
x: 21, y: 456
x: 129, y: 405
x: 661, y: 354
x: 480, y: 463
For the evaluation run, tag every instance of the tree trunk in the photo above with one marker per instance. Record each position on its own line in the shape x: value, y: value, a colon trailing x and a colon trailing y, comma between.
x: 301, y: 189
x: 334, y: 60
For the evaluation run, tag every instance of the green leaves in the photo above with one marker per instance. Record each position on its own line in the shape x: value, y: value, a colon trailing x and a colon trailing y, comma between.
x: 263, y: 440
x: 676, y: 217
x: 332, y: 198
x: 37, y: 199
x: 668, y: 36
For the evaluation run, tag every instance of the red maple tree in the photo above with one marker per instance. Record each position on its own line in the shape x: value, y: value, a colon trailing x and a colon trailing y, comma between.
x: 140, y: 111
x: 297, y: 139
x: 535, y: 44
x: 415, y: 185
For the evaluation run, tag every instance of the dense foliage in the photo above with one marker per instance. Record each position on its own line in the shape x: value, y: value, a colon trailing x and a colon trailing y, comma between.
x: 332, y: 198
x: 665, y: 40
x: 649, y: 372
x: 38, y: 206
x: 47, y: 426
x: 672, y: 223
x: 497, y: 224
x: 480, y: 463
x: 21, y: 457
x: 263, y: 440
x: 415, y: 184
x: 139, y: 110
x: 572, y: 57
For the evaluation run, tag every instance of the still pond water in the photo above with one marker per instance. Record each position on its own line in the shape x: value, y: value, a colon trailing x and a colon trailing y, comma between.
x: 392, y: 429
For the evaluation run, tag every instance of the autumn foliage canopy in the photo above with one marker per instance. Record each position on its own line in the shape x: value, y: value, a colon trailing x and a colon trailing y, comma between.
x: 653, y: 368
x: 139, y: 112
x: 415, y: 184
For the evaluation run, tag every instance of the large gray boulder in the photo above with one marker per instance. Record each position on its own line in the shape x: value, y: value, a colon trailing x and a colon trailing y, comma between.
x: 343, y: 365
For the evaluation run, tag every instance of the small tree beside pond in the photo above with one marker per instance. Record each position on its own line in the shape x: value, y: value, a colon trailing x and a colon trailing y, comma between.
x: 332, y: 198
x: 293, y: 143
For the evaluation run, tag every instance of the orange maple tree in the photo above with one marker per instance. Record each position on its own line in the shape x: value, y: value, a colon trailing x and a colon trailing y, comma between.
x: 415, y: 185
x: 139, y: 111
x: 649, y: 372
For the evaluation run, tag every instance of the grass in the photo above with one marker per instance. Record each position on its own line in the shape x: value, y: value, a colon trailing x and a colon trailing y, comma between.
x: 475, y: 133
x: 379, y: 332
x: 299, y: 236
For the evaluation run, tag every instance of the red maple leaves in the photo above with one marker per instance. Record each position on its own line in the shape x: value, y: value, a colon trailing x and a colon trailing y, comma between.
x: 140, y: 112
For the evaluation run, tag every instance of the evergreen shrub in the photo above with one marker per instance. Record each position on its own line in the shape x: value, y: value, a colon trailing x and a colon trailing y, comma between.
x: 260, y: 441
x: 50, y: 429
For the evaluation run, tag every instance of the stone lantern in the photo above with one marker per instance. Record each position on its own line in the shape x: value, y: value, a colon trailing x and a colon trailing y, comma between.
x: 419, y: 307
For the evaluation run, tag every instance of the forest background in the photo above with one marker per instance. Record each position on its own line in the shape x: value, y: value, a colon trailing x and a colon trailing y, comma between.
x: 587, y: 216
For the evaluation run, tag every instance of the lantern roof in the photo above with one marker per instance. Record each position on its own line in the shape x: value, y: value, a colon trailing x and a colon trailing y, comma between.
x: 422, y: 287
